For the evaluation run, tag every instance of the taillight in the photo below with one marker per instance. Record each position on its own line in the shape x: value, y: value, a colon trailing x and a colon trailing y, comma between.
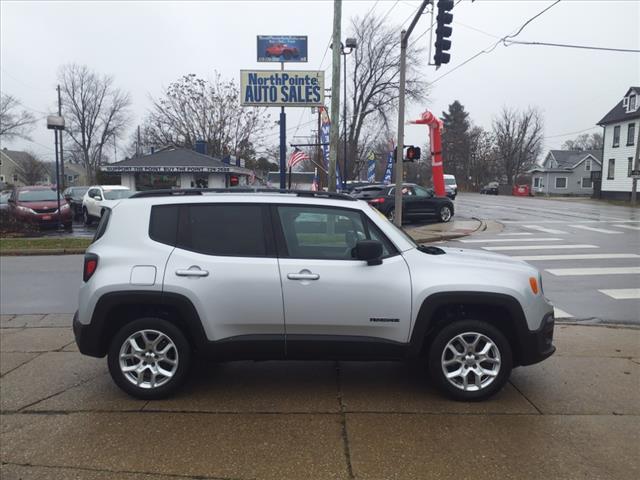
x: 377, y: 200
x: 90, y: 266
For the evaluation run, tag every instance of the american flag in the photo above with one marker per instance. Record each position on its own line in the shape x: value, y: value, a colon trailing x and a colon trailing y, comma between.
x: 296, y: 157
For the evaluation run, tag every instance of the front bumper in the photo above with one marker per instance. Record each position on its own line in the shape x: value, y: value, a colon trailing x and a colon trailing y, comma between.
x: 537, y: 345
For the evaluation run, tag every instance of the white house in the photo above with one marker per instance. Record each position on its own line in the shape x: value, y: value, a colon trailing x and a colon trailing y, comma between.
x: 621, y: 138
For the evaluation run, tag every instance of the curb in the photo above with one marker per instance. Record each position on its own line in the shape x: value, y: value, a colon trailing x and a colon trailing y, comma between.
x: 42, y: 251
x: 451, y: 236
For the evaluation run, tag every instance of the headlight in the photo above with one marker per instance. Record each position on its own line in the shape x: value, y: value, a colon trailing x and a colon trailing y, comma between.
x: 25, y: 209
x: 64, y: 207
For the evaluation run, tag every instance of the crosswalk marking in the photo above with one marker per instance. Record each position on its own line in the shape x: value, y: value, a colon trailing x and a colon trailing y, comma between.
x: 537, y: 247
x: 515, y: 234
x: 557, y: 313
x: 552, y: 231
x: 622, y: 293
x: 594, y: 229
x: 563, y: 272
x: 575, y: 256
x: 488, y: 240
x: 564, y: 221
x: 630, y: 227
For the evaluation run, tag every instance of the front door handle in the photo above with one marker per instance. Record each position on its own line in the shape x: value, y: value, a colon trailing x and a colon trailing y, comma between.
x: 192, y: 271
x: 303, y: 275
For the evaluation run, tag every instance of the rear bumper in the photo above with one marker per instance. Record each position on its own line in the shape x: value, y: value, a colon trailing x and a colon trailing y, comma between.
x: 87, y: 338
x: 537, y: 345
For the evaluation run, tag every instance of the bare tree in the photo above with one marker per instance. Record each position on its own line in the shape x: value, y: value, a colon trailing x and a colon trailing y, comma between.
x: 483, y: 162
x: 195, y: 109
x: 518, y: 136
x: 14, y: 123
x: 585, y: 141
x: 30, y: 169
x: 95, y: 111
x: 374, y: 88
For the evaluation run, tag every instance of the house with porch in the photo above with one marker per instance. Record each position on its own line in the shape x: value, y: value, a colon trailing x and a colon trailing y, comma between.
x: 566, y: 172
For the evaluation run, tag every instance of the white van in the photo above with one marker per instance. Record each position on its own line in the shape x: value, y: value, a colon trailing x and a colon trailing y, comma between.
x: 450, y: 186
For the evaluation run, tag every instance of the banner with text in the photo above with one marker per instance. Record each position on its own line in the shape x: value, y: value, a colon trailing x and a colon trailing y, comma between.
x: 282, y: 88
x: 325, y: 128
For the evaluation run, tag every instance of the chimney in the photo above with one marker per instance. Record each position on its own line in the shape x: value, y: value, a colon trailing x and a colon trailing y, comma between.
x: 201, y: 147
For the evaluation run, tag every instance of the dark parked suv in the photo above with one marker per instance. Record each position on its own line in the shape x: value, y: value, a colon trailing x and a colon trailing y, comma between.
x: 418, y: 203
x: 38, y: 205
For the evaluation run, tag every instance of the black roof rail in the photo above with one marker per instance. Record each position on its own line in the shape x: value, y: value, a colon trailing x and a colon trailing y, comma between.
x: 199, y: 191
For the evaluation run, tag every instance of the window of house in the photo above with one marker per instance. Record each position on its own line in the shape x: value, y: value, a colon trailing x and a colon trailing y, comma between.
x: 561, y: 182
x: 631, y: 133
x: 587, y: 166
x: 586, y: 182
x: 616, y: 136
x: 1, y: 178
x: 611, y: 169
x: 629, y: 166
x: 15, y: 177
x: 536, y: 182
x: 632, y: 103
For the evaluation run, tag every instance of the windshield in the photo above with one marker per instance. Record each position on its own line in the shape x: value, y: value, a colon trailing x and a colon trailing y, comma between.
x: 117, y: 194
x: 449, y: 181
x: 402, y: 232
x: 77, y: 192
x: 37, y: 196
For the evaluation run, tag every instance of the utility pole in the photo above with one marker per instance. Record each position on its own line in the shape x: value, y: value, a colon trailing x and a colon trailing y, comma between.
x: 334, y: 133
x: 61, y: 142
x: 404, y: 41
x: 636, y: 166
x: 283, y: 144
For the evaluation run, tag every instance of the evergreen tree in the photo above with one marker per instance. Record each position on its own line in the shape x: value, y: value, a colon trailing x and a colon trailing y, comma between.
x: 456, y: 142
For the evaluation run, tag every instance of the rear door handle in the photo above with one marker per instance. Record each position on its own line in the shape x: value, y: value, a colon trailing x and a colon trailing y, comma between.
x: 303, y: 275
x: 192, y: 271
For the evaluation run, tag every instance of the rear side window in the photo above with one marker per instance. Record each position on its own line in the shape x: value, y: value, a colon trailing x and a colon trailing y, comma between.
x: 102, y: 226
x: 223, y: 229
x: 163, y: 225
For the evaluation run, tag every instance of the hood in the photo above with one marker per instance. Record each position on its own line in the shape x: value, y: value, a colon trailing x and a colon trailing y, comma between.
x: 42, y: 205
x: 481, y: 258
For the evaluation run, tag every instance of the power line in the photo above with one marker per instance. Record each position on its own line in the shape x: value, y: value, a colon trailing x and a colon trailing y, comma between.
x: 508, y: 43
x: 570, y: 133
x: 492, y: 47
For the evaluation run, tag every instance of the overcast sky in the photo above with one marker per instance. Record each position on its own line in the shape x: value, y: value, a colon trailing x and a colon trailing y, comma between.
x: 146, y: 45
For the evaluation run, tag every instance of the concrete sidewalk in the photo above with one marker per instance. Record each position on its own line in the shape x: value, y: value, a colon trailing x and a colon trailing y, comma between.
x: 576, y: 415
x: 435, y: 232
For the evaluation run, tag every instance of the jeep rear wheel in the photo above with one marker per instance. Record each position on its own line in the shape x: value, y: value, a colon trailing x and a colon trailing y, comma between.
x: 149, y: 358
x: 470, y: 360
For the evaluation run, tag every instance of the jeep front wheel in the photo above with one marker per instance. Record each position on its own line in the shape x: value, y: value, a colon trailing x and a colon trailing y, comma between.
x: 470, y: 360
x: 149, y: 358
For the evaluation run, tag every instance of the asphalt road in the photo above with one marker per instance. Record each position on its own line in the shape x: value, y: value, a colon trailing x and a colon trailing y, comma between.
x: 600, y: 281
x: 588, y: 251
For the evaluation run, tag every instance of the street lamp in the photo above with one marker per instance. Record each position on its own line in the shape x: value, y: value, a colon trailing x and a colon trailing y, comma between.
x: 351, y: 44
x: 56, y: 123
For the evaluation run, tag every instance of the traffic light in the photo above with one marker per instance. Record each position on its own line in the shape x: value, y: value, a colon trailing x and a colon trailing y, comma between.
x: 413, y: 153
x: 443, y: 32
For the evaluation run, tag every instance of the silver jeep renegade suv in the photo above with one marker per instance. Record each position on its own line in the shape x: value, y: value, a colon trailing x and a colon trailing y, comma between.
x: 172, y: 275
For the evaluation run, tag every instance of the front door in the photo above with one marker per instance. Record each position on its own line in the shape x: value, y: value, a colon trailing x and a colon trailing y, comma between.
x: 335, y: 304
x: 225, y: 263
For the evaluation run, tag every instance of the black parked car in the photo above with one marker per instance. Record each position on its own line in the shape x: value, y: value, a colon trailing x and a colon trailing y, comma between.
x: 417, y: 202
x: 73, y: 195
x: 490, y: 188
x: 367, y: 191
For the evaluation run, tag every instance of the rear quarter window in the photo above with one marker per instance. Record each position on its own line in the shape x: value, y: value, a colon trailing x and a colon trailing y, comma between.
x: 102, y: 225
x: 163, y: 224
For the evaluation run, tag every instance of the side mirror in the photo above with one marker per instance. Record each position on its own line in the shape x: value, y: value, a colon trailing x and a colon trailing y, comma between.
x: 369, y: 250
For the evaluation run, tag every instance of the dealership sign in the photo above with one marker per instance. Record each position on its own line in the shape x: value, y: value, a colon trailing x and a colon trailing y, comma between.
x: 270, y: 88
x: 135, y: 169
x: 282, y: 48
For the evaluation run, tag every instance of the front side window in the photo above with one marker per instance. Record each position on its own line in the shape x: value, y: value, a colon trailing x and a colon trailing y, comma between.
x: 631, y: 134
x: 561, y: 182
x: 611, y: 169
x: 223, y: 229
x: 325, y: 233
x: 616, y: 136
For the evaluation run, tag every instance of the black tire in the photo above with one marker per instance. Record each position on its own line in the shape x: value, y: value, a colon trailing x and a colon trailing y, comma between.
x: 445, y: 213
x: 438, y: 351
x: 68, y: 226
x: 86, y: 218
x: 391, y: 214
x: 182, y: 358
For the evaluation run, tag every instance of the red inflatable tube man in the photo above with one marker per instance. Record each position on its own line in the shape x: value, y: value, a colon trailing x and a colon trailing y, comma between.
x: 435, y: 134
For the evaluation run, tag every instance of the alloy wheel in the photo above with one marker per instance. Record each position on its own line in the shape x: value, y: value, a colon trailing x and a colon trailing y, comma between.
x: 148, y: 359
x: 470, y: 361
x: 445, y: 214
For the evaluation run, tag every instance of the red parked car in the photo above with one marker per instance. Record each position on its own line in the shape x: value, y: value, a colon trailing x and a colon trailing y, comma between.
x: 39, y: 205
x: 281, y: 50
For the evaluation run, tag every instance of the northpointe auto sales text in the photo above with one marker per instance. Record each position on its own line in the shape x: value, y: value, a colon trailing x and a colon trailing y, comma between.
x: 283, y: 88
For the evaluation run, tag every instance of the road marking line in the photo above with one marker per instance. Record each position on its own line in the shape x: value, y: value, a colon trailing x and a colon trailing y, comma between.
x: 578, y: 256
x: 515, y: 234
x: 488, y: 240
x: 622, y: 293
x: 563, y: 272
x: 538, y: 247
x: 557, y: 313
x: 630, y: 227
x: 546, y: 230
x: 593, y: 229
x: 565, y: 221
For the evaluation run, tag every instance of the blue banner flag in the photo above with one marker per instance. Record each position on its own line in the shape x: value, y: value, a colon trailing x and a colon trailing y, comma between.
x: 325, y: 127
x: 389, y: 170
x: 371, y: 168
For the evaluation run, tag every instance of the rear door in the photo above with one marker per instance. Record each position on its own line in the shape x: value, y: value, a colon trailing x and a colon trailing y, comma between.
x: 225, y: 263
